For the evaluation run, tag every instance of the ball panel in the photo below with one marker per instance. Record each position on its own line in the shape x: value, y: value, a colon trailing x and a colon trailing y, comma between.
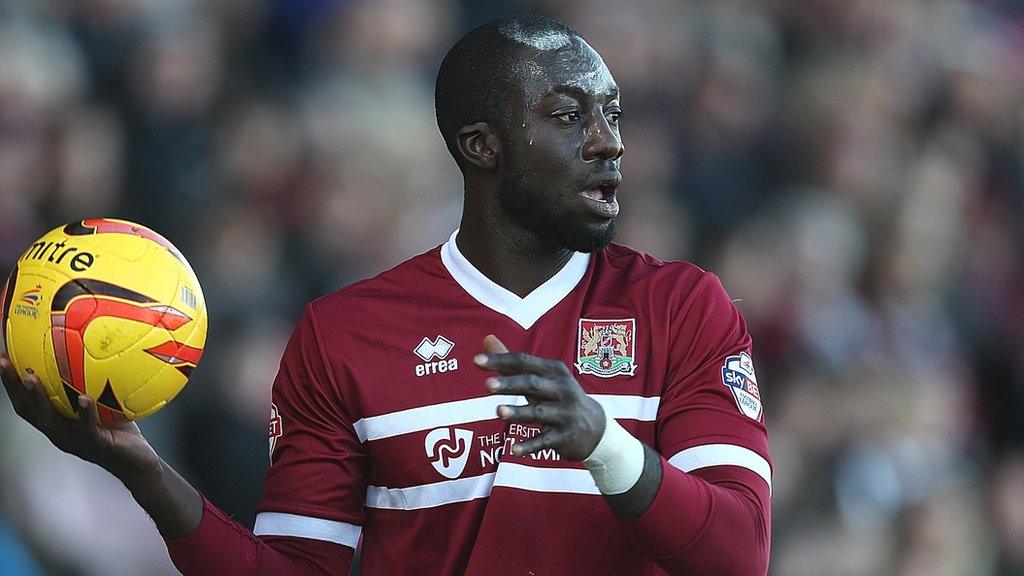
x: 29, y: 323
x: 163, y: 350
x: 116, y: 226
x: 178, y: 361
x: 130, y: 370
x: 108, y: 336
x: 56, y: 377
x: 128, y: 247
x: 181, y: 355
x: 69, y: 320
x: 155, y: 394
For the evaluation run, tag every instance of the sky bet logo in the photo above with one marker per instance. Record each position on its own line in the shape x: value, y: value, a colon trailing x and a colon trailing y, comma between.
x: 439, y: 348
x: 738, y: 375
x: 56, y: 252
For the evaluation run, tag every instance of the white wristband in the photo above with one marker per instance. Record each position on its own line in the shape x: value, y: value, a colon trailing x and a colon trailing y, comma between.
x: 617, y: 461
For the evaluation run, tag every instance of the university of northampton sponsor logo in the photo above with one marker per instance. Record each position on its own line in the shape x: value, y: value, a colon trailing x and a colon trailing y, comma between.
x: 606, y: 348
x: 738, y: 375
x: 448, y: 450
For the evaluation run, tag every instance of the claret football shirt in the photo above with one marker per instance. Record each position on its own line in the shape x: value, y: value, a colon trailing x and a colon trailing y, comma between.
x: 382, y: 430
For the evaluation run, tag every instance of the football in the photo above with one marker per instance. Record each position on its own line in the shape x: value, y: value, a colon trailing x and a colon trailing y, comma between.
x: 105, y: 308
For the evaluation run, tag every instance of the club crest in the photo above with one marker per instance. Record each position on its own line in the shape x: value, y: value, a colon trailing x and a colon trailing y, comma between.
x: 738, y: 375
x: 606, y: 348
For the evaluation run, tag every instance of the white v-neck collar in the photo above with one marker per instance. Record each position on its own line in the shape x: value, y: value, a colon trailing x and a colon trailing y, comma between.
x: 524, y: 311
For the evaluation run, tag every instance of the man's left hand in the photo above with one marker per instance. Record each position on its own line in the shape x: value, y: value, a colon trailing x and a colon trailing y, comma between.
x: 572, y: 422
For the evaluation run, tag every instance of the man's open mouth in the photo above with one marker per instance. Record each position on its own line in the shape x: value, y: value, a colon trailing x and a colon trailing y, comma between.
x: 601, y: 199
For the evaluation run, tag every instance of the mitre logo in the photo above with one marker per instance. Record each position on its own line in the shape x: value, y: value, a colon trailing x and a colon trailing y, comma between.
x: 448, y: 450
x: 606, y: 348
x: 438, y: 348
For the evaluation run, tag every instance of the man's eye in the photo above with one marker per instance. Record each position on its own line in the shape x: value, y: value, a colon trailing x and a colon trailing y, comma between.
x: 569, y: 117
x: 613, y: 117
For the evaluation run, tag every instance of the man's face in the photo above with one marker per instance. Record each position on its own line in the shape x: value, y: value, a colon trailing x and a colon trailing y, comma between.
x: 562, y: 149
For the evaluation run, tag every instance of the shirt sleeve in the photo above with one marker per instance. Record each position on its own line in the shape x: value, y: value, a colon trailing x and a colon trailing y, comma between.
x: 310, y: 518
x: 711, y: 514
x: 224, y: 547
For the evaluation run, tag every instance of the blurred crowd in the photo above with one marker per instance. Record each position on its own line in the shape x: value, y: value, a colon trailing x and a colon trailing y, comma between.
x: 852, y: 169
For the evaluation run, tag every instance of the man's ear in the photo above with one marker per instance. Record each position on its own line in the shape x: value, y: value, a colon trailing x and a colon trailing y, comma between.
x: 479, y: 145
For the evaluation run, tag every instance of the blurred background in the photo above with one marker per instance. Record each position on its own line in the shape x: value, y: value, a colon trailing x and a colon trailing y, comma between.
x: 852, y: 169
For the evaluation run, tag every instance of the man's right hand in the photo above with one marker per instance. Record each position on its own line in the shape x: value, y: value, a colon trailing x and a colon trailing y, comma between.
x: 121, y: 449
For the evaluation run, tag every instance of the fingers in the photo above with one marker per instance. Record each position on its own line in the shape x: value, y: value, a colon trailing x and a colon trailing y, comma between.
x: 88, y: 418
x: 532, y: 386
x: 44, y: 415
x: 555, y: 399
x: 84, y: 438
x: 492, y: 345
x: 520, y: 363
x: 542, y: 413
x: 88, y: 429
x: 546, y: 439
x: 28, y: 395
x: 15, y: 388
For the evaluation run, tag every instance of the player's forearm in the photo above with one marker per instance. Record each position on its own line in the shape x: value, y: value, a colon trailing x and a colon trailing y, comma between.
x: 635, y: 501
x: 695, y: 527
x: 173, y: 504
x: 221, y: 546
x: 682, y: 522
x: 626, y: 471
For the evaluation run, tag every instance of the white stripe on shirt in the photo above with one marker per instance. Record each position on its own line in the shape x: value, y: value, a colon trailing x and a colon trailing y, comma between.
x: 722, y: 455
x: 619, y: 406
x: 552, y: 480
x: 281, y: 524
x: 561, y: 480
x: 430, y: 495
x: 508, y: 475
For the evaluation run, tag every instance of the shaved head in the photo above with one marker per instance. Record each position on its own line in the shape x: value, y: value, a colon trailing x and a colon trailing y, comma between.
x: 479, y: 77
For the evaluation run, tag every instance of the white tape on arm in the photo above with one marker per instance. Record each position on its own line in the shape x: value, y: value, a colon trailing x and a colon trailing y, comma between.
x: 617, y: 461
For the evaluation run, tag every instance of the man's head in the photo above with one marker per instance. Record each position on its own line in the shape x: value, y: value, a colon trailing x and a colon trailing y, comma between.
x: 530, y: 112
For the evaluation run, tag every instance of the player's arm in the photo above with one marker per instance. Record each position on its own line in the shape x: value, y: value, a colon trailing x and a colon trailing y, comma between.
x: 694, y: 524
x: 309, y: 519
x: 180, y: 513
x: 706, y: 512
x: 121, y: 449
x: 200, y: 538
x: 712, y: 510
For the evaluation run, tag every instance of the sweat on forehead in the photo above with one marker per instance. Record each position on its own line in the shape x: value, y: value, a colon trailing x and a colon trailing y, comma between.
x: 539, y: 39
x: 579, y: 67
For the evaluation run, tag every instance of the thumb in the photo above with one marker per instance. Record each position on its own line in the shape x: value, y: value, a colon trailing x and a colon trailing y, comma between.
x: 494, y: 346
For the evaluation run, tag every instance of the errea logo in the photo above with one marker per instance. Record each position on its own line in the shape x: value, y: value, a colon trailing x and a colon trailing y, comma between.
x: 438, y: 348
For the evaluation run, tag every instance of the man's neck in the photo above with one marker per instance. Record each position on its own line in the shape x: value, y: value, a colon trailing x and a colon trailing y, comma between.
x: 509, y: 255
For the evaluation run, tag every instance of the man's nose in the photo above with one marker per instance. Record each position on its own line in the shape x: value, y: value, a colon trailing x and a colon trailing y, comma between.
x: 603, y: 141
